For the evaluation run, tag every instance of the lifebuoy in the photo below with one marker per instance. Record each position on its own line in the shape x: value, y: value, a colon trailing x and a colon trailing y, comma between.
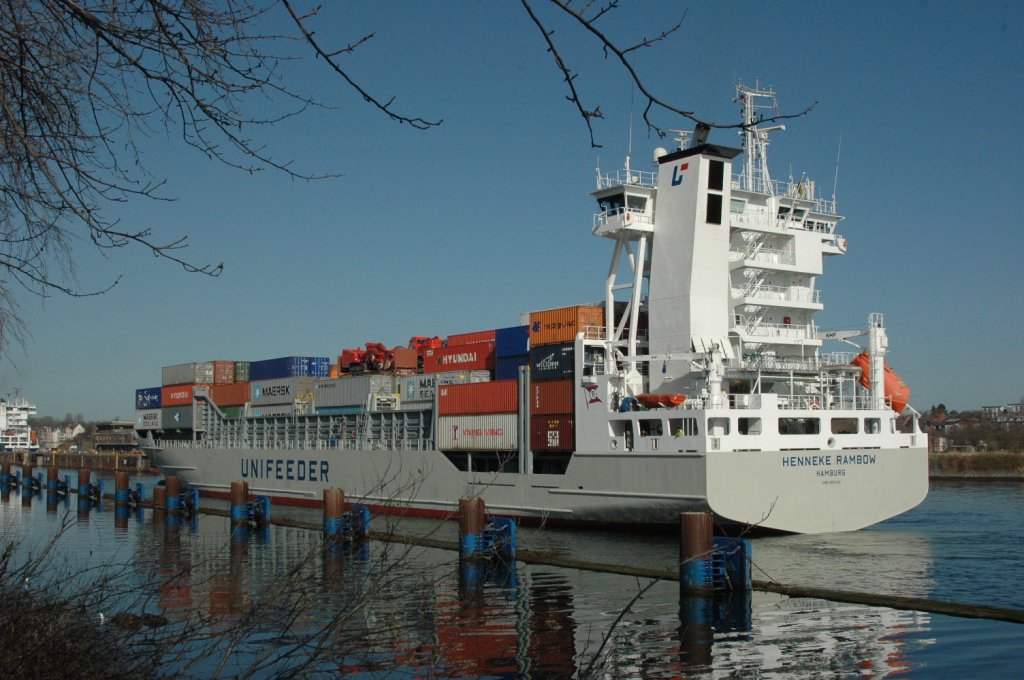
x: 629, y: 216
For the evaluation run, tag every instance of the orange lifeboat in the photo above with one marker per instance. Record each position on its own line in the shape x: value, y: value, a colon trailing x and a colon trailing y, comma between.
x: 896, y: 390
x: 660, y: 400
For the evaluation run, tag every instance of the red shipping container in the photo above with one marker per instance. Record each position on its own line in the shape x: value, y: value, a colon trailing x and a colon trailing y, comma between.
x: 230, y: 394
x: 403, y: 357
x: 552, y: 433
x: 223, y: 372
x: 178, y: 395
x: 551, y: 398
x: 476, y: 357
x: 471, y: 338
x: 483, y: 398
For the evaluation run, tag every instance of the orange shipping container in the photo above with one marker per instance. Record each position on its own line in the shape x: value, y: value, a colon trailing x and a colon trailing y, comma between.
x: 495, y: 396
x: 555, y: 326
x: 223, y: 372
x: 551, y: 398
x: 231, y: 394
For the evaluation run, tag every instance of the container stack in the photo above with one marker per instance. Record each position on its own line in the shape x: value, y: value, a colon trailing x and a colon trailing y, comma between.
x: 552, y: 367
x: 511, y: 351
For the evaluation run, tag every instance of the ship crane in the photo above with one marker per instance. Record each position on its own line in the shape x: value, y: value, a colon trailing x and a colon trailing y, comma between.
x: 878, y: 344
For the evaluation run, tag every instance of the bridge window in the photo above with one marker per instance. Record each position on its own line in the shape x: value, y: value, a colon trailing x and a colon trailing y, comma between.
x: 683, y: 427
x: 714, y: 211
x: 845, y: 426
x: 636, y: 202
x: 716, y: 175
x: 749, y: 425
x: 799, y: 426
x: 649, y: 427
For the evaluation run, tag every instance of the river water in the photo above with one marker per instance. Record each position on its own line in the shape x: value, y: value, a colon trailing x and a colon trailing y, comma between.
x: 275, y: 603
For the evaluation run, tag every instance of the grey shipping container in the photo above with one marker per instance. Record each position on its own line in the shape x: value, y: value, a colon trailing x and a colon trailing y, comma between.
x: 281, y: 391
x: 200, y: 372
x: 351, y: 390
x: 148, y: 419
x: 420, y: 388
x: 177, y: 418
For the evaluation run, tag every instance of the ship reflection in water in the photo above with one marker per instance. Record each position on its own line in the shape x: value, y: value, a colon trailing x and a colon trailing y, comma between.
x: 280, y: 595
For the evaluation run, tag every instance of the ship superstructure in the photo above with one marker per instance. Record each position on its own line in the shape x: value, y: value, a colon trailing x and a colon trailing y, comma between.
x: 698, y: 383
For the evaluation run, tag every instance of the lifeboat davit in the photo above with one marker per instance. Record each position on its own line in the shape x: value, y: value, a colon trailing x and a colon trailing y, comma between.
x: 660, y: 400
x: 896, y: 390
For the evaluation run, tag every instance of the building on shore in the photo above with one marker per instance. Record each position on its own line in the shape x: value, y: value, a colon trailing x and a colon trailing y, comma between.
x: 15, y: 432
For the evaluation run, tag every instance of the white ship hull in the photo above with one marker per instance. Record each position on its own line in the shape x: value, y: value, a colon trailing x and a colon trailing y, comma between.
x: 760, y: 489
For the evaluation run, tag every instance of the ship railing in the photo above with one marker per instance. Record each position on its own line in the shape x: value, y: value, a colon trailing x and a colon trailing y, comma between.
x: 804, y: 190
x: 623, y: 217
x: 756, y: 327
x: 642, y: 178
x: 838, y: 358
x: 766, y: 255
x: 784, y: 293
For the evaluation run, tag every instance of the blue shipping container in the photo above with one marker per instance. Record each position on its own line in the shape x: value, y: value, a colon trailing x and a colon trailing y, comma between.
x: 290, y: 367
x: 552, y: 362
x: 507, y: 368
x: 147, y: 397
x: 512, y: 341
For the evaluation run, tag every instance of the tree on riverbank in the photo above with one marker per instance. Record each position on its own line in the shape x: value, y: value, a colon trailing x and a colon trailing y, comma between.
x: 82, y: 83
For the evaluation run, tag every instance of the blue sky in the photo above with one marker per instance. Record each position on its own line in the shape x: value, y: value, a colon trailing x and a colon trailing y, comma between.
x: 468, y: 225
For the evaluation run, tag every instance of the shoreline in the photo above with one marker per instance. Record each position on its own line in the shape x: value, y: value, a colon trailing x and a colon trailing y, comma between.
x: 981, y: 466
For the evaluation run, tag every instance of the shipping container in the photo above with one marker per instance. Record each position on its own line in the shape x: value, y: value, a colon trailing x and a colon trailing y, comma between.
x: 552, y: 433
x: 421, y: 388
x: 281, y: 391
x: 511, y: 341
x: 230, y: 394
x: 232, y: 412
x: 478, y: 356
x: 471, y: 338
x: 223, y: 372
x: 552, y: 362
x: 351, y: 390
x: 241, y: 371
x: 403, y: 357
x: 178, y: 395
x: 507, y: 368
x: 497, y: 432
x: 177, y: 418
x: 289, y: 367
x: 496, y: 396
x: 148, y: 398
x: 148, y: 419
x: 187, y: 374
x: 552, y: 398
x: 555, y: 326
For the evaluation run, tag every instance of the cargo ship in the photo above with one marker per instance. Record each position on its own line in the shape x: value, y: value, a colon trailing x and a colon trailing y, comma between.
x: 698, y: 383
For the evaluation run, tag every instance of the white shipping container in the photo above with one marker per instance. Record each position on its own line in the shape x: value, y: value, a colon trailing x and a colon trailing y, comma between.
x: 281, y: 391
x: 186, y: 374
x: 148, y: 419
x: 497, y: 432
x: 351, y: 390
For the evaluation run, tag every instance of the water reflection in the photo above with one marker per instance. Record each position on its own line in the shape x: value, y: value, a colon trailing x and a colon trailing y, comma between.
x: 279, y: 596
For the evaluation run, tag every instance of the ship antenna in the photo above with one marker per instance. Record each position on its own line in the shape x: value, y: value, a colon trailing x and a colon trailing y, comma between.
x: 835, y: 182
